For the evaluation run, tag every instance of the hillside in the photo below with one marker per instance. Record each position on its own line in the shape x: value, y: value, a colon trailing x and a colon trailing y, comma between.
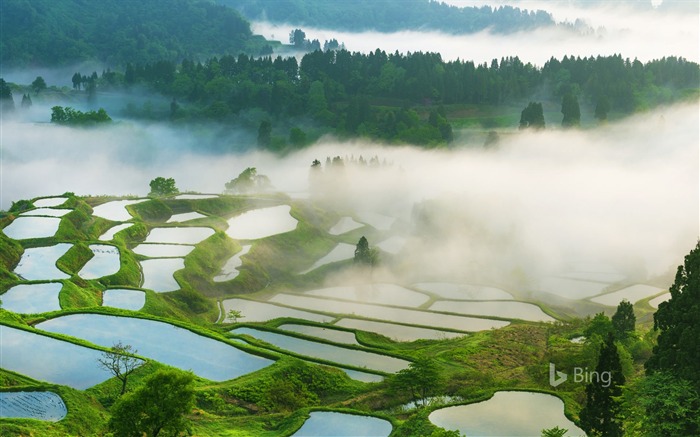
x: 45, y: 33
x: 392, y: 15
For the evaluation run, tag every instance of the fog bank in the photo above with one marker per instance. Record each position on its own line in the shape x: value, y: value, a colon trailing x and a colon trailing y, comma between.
x: 625, y: 193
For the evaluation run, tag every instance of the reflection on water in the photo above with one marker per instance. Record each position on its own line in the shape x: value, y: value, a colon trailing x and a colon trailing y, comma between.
x: 162, y: 342
x: 507, y: 413
x: 328, y: 423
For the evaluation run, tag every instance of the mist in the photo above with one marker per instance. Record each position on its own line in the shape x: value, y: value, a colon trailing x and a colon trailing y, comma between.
x: 625, y: 194
x: 618, y: 28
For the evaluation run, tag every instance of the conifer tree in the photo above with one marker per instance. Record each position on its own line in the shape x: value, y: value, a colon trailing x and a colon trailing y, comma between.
x: 623, y: 321
x: 678, y: 319
x: 600, y: 415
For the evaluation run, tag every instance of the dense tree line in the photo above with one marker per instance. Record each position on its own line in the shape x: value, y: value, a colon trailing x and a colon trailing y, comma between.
x: 49, y: 33
x: 392, y: 15
x: 380, y: 95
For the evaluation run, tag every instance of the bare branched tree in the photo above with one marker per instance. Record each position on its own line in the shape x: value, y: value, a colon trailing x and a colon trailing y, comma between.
x: 121, y: 362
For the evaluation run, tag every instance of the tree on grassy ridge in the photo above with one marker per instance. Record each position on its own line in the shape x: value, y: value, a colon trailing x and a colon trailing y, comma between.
x: 121, y: 362
x: 421, y: 380
x: 624, y: 320
x: 161, y: 186
x: 158, y: 407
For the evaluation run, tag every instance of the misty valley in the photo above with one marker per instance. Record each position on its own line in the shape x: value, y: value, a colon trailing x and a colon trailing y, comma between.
x: 307, y: 218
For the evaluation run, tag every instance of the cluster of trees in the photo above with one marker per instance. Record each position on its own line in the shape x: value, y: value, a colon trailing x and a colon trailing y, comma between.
x: 248, y: 181
x: 667, y: 400
x: 393, y: 15
x: 74, y: 117
x: 51, y: 33
x: 161, y: 186
x: 380, y: 95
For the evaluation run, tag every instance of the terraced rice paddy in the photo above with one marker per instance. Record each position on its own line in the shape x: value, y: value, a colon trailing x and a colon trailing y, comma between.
x: 23, y: 228
x: 327, y: 352
x: 158, y: 274
x: 344, y: 225
x: 179, y: 235
x: 230, y: 269
x: 506, y: 310
x: 32, y: 298
x: 111, y: 232
x: 61, y: 362
x: 38, y: 405
x: 397, y: 332
x: 124, y: 298
x: 632, y: 294
x: 39, y: 263
x: 390, y: 314
x: 158, y: 250
x: 507, y: 414
x: 105, y: 262
x: 253, y: 311
x: 328, y: 423
x: 115, y: 210
x: 169, y: 344
x: 261, y: 223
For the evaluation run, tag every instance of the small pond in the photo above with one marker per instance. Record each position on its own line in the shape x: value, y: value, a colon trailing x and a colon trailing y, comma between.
x: 32, y: 298
x: 507, y: 413
x: 61, y: 362
x: 262, y: 312
x: 186, y: 216
x: 328, y: 423
x: 388, y: 294
x: 345, y: 224
x: 447, y: 290
x: 399, y: 315
x: 162, y: 342
x: 632, y: 294
x: 105, y: 262
x: 23, y: 228
x: 230, y: 269
x: 261, y: 223
x: 157, y: 250
x: 334, y: 335
x: 50, y: 212
x: 340, y: 252
x: 397, y: 332
x: 657, y: 300
x: 115, y: 210
x: 109, y: 235
x: 327, y: 352
x: 571, y: 288
x: 39, y: 263
x: 47, y: 202
x: 392, y: 245
x: 124, y: 298
x: 507, y: 310
x: 39, y: 405
x: 181, y: 235
x: 377, y: 221
x: 158, y: 274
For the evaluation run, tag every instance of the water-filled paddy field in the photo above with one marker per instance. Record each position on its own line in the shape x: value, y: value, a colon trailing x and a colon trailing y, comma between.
x: 162, y: 342
x: 507, y: 413
x: 39, y: 405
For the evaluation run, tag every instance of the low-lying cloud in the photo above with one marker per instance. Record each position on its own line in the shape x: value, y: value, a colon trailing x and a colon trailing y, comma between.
x: 625, y: 194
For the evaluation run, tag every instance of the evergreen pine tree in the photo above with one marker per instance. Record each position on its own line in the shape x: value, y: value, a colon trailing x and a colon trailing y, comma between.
x: 600, y: 415
x: 571, y: 111
x: 678, y: 319
x: 623, y: 321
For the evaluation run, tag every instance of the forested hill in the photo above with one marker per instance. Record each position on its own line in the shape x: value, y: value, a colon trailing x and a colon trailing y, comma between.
x: 391, y: 15
x: 52, y: 33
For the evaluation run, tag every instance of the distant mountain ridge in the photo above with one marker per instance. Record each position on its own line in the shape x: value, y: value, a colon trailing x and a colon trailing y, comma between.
x: 52, y: 33
x: 392, y: 15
